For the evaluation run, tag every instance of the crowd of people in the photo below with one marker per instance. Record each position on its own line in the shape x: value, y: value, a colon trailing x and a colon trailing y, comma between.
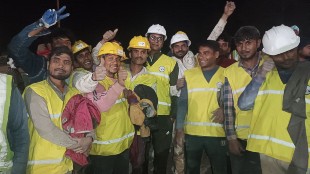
x: 240, y: 105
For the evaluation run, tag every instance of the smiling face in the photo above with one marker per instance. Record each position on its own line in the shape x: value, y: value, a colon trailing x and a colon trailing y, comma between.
x: 84, y: 59
x: 111, y: 63
x: 207, y: 57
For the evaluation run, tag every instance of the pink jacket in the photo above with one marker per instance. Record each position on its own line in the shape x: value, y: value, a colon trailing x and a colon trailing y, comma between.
x: 77, y: 120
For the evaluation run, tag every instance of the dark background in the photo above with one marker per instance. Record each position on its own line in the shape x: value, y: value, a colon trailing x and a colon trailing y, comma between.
x: 89, y: 19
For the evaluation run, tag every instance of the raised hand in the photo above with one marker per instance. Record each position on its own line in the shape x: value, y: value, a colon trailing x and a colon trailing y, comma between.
x: 100, y: 72
x: 122, y: 75
x: 229, y: 8
x: 51, y: 16
x: 109, y: 35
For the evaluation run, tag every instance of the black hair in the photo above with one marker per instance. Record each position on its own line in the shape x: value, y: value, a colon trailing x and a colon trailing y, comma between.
x: 225, y: 37
x: 247, y: 33
x: 62, y: 33
x: 60, y: 50
x: 214, y: 45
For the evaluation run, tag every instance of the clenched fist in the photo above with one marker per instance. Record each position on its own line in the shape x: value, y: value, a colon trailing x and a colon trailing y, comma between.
x: 100, y: 72
x: 109, y: 35
x: 122, y: 75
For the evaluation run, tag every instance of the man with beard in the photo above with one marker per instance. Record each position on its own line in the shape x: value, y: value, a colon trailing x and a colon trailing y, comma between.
x: 143, y: 84
x: 45, y: 102
x: 225, y: 58
x: 279, y: 99
x: 237, y: 122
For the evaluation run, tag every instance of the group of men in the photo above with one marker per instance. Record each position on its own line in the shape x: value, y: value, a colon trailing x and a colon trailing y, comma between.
x: 256, y: 108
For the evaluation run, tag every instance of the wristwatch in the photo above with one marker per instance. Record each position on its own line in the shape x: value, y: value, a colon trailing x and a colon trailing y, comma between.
x: 40, y: 23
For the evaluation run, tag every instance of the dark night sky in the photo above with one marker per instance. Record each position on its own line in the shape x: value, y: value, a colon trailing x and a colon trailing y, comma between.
x: 90, y: 19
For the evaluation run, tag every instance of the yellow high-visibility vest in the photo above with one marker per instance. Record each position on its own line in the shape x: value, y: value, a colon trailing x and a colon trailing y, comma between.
x: 162, y: 68
x: 238, y: 79
x: 268, y: 130
x: 45, y: 156
x: 202, y: 101
x: 115, y: 132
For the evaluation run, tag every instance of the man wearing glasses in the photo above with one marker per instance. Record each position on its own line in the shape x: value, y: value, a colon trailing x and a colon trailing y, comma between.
x: 166, y: 71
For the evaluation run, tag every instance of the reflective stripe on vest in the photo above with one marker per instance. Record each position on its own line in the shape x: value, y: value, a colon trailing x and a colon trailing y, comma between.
x: 203, y: 90
x: 54, y: 161
x: 114, y: 140
x: 160, y: 74
x: 238, y: 91
x: 204, y: 124
x: 164, y: 103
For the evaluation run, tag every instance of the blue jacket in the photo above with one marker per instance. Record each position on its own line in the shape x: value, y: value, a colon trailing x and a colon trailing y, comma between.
x: 17, y: 132
x: 34, y: 65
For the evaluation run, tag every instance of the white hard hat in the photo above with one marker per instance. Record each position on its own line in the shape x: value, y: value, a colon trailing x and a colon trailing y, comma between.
x: 178, y: 37
x: 279, y: 39
x: 157, y: 29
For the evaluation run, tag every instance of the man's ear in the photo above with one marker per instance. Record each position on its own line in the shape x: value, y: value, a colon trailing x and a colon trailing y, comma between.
x: 129, y: 54
x: 259, y: 41
x: 217, y: 54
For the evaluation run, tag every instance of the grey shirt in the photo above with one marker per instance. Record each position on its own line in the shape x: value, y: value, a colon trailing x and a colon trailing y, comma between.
x: 38, y: 112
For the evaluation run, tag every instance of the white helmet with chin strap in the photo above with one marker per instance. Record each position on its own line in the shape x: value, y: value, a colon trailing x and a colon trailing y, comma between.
x: 279, y: 39
x: 157, y: 29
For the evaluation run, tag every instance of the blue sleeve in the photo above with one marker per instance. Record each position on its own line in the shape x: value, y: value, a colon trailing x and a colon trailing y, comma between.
x: 248, y: 96
x: 23, y: 57
x: 182, y: 107
x: 17, y: 131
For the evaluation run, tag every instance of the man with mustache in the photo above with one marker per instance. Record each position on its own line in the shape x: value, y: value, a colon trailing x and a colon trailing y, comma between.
x: 45, y: 102
x: 279, y: 98
x: 237, y: 122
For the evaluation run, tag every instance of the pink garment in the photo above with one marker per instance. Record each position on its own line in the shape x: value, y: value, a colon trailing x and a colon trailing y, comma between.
x: 79, y: 117
x: 105, y: 99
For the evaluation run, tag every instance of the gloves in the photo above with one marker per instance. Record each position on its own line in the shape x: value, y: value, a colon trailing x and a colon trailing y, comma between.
x: 51, y: 16
x: 135, y: 111
x: 148, y: 108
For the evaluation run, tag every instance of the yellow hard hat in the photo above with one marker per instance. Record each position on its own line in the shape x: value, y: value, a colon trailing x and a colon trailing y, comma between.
x: 111, y: 48
x: 139, y: 42
x: 80, y: 45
